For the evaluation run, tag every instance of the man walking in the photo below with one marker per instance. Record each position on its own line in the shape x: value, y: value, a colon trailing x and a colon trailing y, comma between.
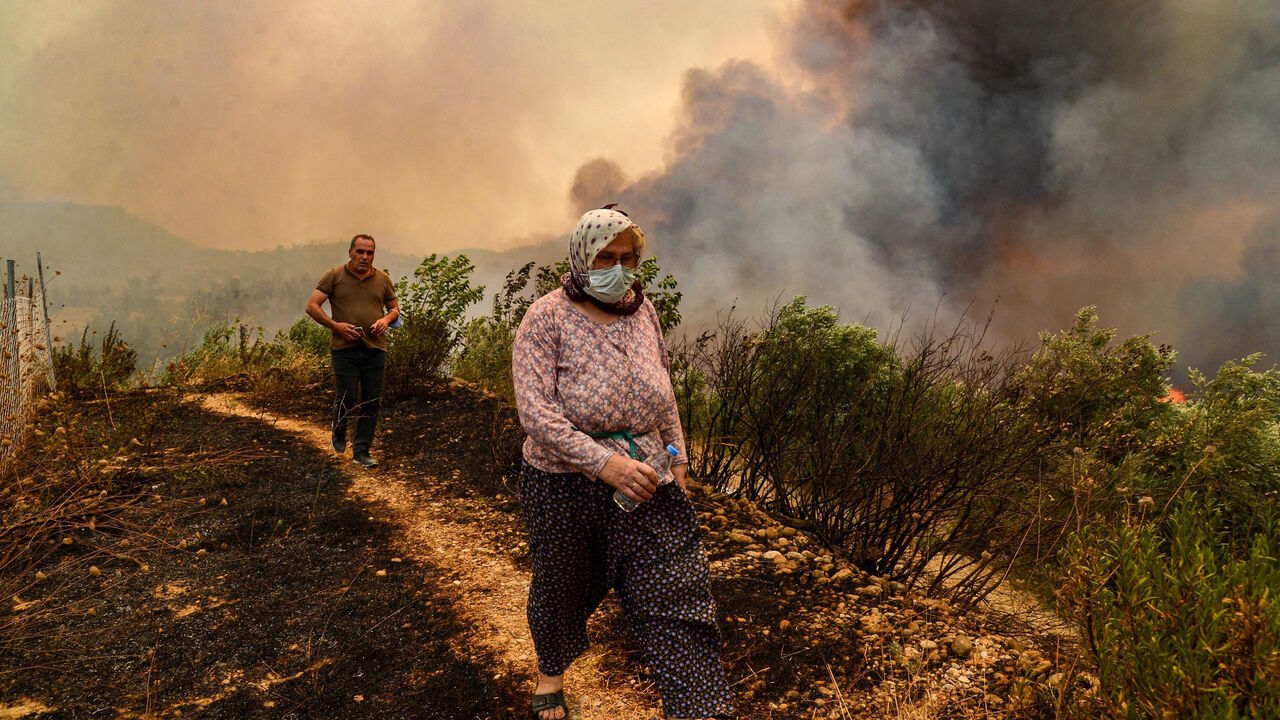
x: 363, y: 302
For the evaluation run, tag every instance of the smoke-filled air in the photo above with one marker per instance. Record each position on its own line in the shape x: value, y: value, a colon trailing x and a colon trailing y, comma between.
x: 553, y: 359
x: 1046, y: 156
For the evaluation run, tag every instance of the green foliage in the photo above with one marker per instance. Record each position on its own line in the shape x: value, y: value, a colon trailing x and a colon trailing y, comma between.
x: 1177, y: 622
x: 485, y: 357
x: 548, y: 276
x: 1090, y: 392
x: 306, y: 336
x: 663, y: 294
x: 80, y: 367
x: 433, y: 305
x: 227, y: 349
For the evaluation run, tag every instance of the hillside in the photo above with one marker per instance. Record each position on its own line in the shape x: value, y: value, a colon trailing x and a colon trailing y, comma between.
x: 164, y: 291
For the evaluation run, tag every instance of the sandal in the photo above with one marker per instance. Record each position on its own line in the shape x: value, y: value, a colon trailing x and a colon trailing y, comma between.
x: 548, y: 701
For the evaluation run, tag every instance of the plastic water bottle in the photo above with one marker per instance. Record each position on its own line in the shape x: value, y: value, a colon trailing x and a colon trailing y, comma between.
x: 660, y: 461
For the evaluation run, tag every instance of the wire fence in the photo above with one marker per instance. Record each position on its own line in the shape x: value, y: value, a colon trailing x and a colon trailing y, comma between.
x: 25, y: 358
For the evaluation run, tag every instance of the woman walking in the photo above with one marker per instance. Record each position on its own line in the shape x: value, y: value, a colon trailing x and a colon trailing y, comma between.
x: 594, y: 396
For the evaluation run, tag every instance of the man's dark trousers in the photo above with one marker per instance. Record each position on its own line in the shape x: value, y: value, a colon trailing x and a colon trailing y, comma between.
x: 357, y: 378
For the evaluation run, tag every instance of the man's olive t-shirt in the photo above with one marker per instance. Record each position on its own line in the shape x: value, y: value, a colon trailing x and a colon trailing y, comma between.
x: 359, y: 302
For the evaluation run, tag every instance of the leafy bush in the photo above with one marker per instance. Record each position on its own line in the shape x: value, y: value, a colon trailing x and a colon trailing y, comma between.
x: 433, y: 305
x: 82, y: 368
x: 662, y: 293
x: 897, y: 454
x: 1178, y: 624
x: 227, y: 349
x: 306, y: 336
x: 485, y: 357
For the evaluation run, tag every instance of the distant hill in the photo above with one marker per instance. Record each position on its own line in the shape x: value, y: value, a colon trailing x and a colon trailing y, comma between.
x: 164, y: 291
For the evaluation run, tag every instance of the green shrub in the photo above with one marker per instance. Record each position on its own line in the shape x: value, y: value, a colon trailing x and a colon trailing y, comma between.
x: 82, y: 368
x: 485, y: 355
x: 662, y: 293
x: 227, y: 349
x: 306, y: 336
x: 433, y: 305
x: 1177, y: 623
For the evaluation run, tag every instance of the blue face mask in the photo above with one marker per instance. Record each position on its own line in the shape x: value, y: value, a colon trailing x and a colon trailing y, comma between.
x: 609, y: 285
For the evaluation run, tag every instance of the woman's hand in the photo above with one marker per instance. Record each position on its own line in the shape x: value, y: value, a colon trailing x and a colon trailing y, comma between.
x: 630, y: 477
x: 677, y: 471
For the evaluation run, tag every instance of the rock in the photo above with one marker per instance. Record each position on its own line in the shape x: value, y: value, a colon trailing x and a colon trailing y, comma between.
x: 961, y: 647
x: 928, y: 645
x: 783, y: 625
x: 842, y: 574
x: 1028, y: 660
x: 740, y: 538
x: 870, y: 591
x: 795, y: 556
x: 94, y: 571
x: 788, y: 532
x: 771, y: 533
x: 897, y: 587
x: 381, y: 573
x: 874, y: 622
x: 774, y: 555
x: 1055, y: 681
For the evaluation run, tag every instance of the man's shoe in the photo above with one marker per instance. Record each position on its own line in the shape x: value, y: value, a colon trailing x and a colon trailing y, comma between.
x: 363, y: 460
x: 339, y: 444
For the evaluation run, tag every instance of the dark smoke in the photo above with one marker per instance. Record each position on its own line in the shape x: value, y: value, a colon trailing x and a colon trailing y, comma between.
x: 1052, y: 155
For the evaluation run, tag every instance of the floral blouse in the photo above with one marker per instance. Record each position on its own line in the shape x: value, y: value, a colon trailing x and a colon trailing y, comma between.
x: 573, y: 372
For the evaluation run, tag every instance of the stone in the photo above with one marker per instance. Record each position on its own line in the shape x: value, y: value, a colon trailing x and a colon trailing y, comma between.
x: 842, y: 574
x: 928, y: 645
x: 961, y: 647
x: 740, y: 538
x: 870, y: 591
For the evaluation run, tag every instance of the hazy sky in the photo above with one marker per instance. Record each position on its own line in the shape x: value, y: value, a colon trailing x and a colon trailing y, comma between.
x: 434, y: 123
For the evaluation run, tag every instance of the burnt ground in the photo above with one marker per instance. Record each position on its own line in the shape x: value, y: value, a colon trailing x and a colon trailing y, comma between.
x: 271, y: 605
x: 267, y: 606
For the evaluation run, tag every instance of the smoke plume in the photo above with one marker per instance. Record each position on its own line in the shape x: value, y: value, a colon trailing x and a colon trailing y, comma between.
x: 1051, y: 155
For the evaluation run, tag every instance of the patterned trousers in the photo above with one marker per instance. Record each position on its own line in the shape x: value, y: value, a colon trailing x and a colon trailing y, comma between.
x: 582, y: 544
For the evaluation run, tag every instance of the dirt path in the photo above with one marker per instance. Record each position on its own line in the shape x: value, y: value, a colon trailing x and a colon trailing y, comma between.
x: 494, y: 588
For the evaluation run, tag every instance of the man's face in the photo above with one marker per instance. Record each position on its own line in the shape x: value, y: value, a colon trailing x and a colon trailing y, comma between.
x: 361, y: 255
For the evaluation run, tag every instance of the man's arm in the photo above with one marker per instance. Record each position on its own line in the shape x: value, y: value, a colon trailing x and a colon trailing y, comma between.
x: 345, y: 330
x: 393, y: 312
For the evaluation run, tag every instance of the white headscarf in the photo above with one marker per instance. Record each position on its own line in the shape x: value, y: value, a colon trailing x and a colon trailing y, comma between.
x: 595, y: 230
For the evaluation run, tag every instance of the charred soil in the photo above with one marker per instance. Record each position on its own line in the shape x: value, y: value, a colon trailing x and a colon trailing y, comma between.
x: 307, y: 594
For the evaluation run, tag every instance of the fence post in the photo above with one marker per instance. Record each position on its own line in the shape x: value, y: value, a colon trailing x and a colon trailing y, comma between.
x: 15, y: 362
x: 48, y: 334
